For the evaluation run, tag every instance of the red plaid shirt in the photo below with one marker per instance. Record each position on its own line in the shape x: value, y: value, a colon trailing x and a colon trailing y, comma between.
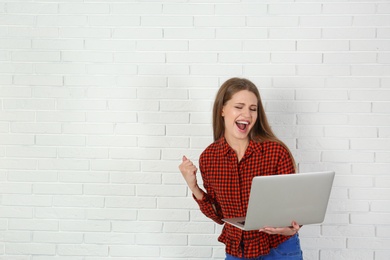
x: 228, y: 184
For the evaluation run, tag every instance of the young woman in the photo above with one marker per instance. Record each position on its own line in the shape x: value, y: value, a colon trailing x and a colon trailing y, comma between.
x: 244, y: 146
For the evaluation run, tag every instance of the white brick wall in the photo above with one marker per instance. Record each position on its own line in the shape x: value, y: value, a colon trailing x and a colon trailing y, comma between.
x: 100, y: 99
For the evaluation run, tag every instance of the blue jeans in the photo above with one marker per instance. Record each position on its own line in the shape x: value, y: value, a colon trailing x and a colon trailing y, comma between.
x: 289, y: 249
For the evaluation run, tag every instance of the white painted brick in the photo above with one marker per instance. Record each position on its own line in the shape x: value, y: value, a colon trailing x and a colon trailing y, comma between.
x: 272, y: 21
x: 241, y: 33
x: 29, y: 104
x: 135, y: 153
x: 295, y: 33
x: 192, y: 57
x: 315, y: 94
x: 86, y: 226
x: 63, y: 164
x: 357, y: 82
x: 163, y: 215
x: 16, y: 139
x: 383, y: 33
x: 32, y: 8
x: 322, y: 144
x: 349, y: 8
x: 348, y: 33
x: 370, y: 120
x: 167, y: 21
x: 31, y: 176
x: 372, y: 243
x: 114, y: 165
x: 323, y: 243
x: 31, y: 152
x: 189, y: 33
x: 269, y: 70
x: 161, y: 239
x: 23, y: 20
x: 52, y: 91
x: 32, y: 224
x: 159, y: 45
x: 85, y: 32
x: 57, y: 237
x: 135, y: 178
x: 372, y: 20
x: 12, y: 236
x: 111, y: 69
x: 370, y: 45
x: 184, y: 252
x: 350, y: 132
x: 109, y: 190
x: 57, y: 189
x: 294, y: 8
x: 114, y: 93
x: 36, y: 56
x: 30, y: 249
x: 8, y: 91
x: 372, y: 95
x: 113, y: 117
x: 323, y: 45
x: 62, y: 20
x: 83, y: 250
x: 78, y: 201
x: 159, y: 69
x: 20, y: 164
x: 84, y: 8
x: 347, y: 254
x: 57, y: 213
x: 321, y: 119
x: 15, y: 68
x: 134, y: 251
x: 109, y: 239
x: 112, y: 141
x: 188, y: 9
x: 26, y: 200
x: 106, y: 45
x: 83, y: 177
x: 137, y: 8
x: 347, y: 156
x: 323, y: 70
x: 81, y: 56
x: 380, y: 206
x: 189, y: 227
x: 218, y: 21
x: 137, y: 227
x: 112, y: 214
x: 88, y: 128
x: 63, y: 140
x: 16, y: 212
x: 167, y: 118
x: 384, y: 132
x: 132, y: 33
x: 41, y: 128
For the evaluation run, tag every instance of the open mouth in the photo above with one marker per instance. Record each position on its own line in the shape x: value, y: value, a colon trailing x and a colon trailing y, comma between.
x: 242, y: 125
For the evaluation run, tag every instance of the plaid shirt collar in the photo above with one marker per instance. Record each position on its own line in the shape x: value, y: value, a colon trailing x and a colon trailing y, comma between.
x: 224, y: 147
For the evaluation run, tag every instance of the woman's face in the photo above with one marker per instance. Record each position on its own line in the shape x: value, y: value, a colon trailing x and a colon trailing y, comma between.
x: 240, y: 115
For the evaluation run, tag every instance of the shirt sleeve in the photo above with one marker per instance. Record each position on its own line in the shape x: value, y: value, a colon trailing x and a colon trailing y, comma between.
x: 208, y: 205
x: 286, y: 163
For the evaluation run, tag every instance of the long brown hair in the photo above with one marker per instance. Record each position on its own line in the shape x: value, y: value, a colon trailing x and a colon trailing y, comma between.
x: 261, y: 131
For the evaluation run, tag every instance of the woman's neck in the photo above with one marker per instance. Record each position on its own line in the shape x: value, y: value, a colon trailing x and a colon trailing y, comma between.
x: 239, y: 146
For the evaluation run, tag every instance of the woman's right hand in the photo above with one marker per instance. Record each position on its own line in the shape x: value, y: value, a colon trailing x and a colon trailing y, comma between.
x: 188, y: 170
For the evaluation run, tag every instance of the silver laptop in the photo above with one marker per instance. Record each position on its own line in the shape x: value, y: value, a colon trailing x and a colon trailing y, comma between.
x: 277, y: 200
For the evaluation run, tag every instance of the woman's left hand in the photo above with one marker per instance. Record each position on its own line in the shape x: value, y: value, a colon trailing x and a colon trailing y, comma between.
x: 285, y: 231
